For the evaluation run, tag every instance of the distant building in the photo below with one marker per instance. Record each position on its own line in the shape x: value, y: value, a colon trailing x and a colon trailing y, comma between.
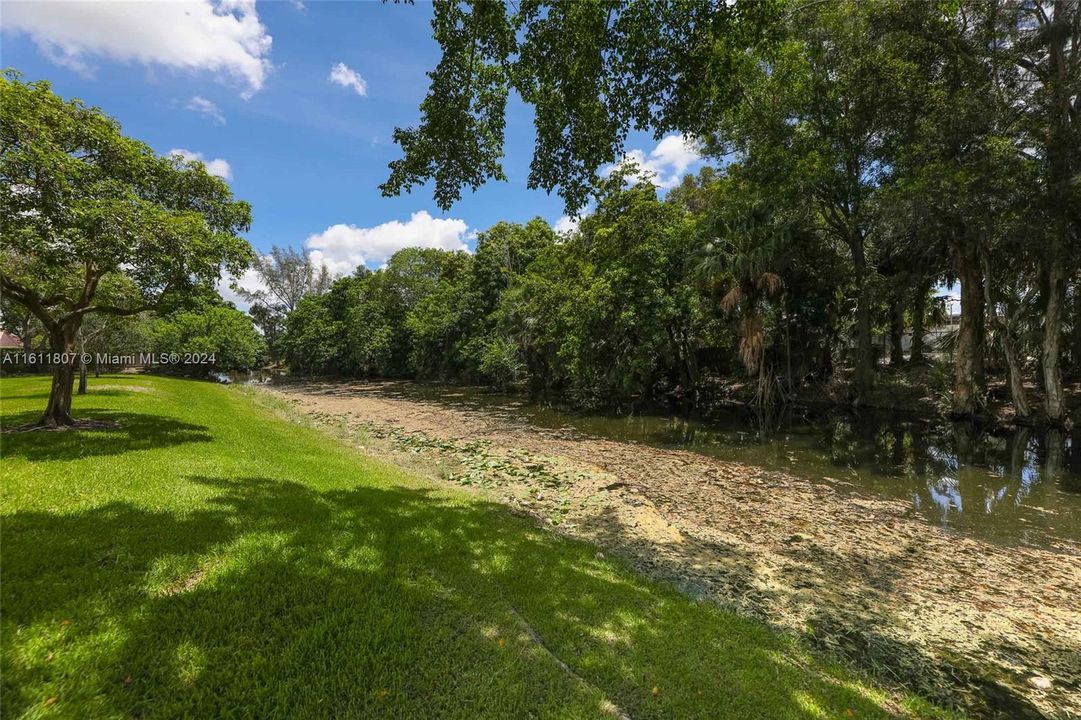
x: 10, y: 341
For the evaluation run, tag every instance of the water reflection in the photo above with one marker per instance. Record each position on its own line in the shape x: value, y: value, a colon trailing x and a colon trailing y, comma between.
x: 253, y: 377
x: 1017, y: 486
x: 1021, y: 486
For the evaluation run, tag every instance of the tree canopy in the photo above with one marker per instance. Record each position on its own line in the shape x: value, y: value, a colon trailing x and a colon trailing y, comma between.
x: 591, y: 70
x: 912, y: 142
x: 96, y: 222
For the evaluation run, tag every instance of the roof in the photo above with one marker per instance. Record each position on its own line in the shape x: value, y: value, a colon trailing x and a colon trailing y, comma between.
x: 10, y: 340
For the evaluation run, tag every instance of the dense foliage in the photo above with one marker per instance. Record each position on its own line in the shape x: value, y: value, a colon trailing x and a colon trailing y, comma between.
x: 219, y: 337
x: 651, y: 300
x: 870, y: 151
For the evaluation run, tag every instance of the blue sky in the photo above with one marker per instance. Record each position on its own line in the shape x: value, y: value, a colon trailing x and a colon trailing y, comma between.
x: 248, y: 87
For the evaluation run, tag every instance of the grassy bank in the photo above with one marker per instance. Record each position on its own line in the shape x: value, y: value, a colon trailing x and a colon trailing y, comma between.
x: 208, y: 559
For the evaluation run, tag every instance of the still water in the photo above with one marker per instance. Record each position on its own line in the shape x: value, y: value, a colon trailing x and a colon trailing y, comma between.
x: 1021, y: 486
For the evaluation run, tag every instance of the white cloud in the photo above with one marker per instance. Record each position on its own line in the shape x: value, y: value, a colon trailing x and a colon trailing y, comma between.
x: 667, y: 162
x: 217, y: 166
x: 249, y: 281
x: 204, y: 106
x: 299, y: 6
x: 342, y: 74
x: 343, y: 247
x: 566, y: 224
x: 224, y: 37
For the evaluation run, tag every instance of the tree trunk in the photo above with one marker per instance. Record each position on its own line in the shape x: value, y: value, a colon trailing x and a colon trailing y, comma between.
x: 863, y: 370
x: 1074, y: 341
x: 1017, y: 379
x: 1061, y: 169
x: 919, y: 311
x: 82, y: 365
x: 787, y: 347
x: 968, y: 352
x: 897, y: 333
x: 1051, y: 355
x: 1003, y: 322
x: 82, y: 377
x: 58, y: 411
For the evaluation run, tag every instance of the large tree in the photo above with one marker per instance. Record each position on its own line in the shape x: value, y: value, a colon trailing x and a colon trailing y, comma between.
x: 96, y: 222
x: 1045, y: 40
x: 990, y: 158
x: 801, y: 86
x: 287, y: 276
x: 810, y: 127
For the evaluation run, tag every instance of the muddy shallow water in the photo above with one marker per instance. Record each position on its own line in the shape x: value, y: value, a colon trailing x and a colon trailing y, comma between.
x: 1019, y: 486
x: 816, y: 529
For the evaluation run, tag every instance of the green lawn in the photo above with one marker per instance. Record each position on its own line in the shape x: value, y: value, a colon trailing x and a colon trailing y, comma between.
x: 211, y: 559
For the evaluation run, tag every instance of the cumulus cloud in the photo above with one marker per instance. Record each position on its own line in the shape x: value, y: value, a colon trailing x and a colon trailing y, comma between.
x: 343, y: 247
x: 342, y: 74
x: 205, y: 107
x: 566, y: 224
x: 249, y: 281
x: 667, y: 162
x: 223, y: 37
x: 217, y: 166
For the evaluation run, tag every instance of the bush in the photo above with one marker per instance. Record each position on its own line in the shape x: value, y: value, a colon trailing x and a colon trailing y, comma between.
x: 500, y: 363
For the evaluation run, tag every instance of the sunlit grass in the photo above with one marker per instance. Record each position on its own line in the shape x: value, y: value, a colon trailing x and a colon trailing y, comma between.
x: 210, y: 559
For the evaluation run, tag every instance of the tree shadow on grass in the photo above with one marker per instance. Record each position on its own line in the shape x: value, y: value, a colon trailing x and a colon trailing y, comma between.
x: 276, y: 600
x: 43, y: 396
x: 132, y: 431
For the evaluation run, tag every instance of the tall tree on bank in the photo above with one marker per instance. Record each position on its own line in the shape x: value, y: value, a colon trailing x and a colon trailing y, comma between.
x: 994, y: 144
x: 287, y: 276
x: 1047, y: 50
x: 95, y: 222
x: 810, y: 126
x: 949, y: 178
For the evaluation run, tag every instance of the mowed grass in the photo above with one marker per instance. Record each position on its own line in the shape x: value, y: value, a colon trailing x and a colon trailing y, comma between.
x: 209, y: 559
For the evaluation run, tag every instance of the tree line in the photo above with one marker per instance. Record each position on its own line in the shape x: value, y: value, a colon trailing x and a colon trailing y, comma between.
x: 868, y: 152
x: 650, y: 301
x: 932, y: 137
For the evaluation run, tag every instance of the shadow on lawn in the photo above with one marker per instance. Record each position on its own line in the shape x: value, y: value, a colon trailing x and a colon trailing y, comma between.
x: 278, y: 600
x: 133, y: 431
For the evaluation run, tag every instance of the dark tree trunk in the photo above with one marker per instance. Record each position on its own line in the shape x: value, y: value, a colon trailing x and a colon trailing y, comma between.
x: 58, y: 411
x: 1051, y: 350
x: 787, y: 347
x: 1074, y: 340
x: 968, y: 352
x: 919, y: 311
x: 864, y: 366
x: 1017, y: 379
x: 82, y: 377
x: 1061, y: 169
x: 1001, y: 318
x: 897, y: 333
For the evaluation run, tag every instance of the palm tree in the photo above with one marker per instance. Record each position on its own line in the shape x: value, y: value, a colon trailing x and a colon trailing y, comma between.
x: 749, y: 249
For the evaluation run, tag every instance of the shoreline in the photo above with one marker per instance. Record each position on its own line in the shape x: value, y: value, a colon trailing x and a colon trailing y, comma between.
x: 852, y: 573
